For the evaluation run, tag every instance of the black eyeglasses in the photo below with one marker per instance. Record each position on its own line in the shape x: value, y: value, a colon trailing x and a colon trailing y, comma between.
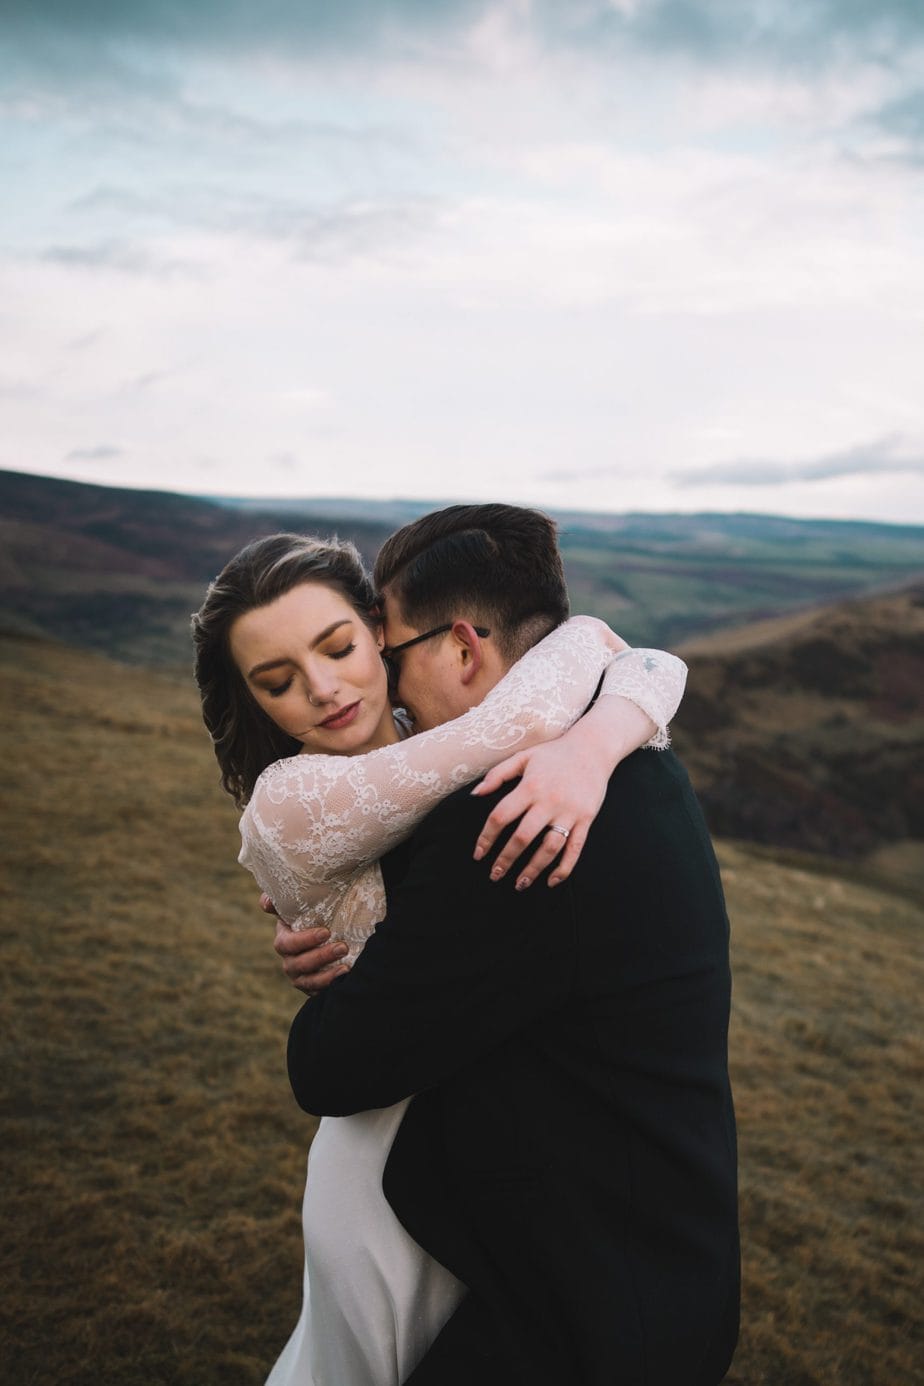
x: 389, y: 651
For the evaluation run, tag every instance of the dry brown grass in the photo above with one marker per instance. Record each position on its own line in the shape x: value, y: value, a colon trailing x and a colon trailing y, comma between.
x: 154, y: 1158
x: 154, y: 1154
x: 827, y: 1062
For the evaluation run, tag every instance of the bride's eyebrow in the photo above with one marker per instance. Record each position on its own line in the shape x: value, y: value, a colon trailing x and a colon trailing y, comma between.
x: 318, y: 640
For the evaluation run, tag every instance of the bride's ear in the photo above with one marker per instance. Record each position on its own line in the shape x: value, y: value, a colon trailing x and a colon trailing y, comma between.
x: 377, y: 620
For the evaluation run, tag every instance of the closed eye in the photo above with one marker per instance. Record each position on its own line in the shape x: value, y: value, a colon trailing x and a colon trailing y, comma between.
x: 282, y: 688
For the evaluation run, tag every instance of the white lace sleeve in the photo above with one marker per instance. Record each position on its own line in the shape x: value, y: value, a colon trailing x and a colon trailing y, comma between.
x: 316, y: 825
x: 652, y: 679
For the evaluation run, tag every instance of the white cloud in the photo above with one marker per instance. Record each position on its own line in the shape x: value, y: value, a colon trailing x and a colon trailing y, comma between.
x: 480, y: 259
x: 890, y: 455
x: 102, y: 452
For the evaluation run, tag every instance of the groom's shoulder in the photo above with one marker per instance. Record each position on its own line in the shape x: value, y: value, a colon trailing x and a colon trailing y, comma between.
x: 650, y: 787
x: 643, y: 787
x: 650, y: 805
x: 659, y: 770
x: 639, y: 783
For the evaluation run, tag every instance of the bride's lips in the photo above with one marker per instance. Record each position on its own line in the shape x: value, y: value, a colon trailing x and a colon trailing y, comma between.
x: 343, y: 717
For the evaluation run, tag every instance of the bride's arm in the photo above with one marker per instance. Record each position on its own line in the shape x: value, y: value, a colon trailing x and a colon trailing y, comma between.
x: 647, y: 685
x: 324, y: 816
x: 653, y: 681
x: 563, y: 782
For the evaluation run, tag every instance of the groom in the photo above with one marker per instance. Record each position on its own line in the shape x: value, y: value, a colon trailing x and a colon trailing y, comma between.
x: 570, y: 1153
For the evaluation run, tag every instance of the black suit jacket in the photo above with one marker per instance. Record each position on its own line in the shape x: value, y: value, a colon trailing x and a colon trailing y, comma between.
x: 571, y: 1151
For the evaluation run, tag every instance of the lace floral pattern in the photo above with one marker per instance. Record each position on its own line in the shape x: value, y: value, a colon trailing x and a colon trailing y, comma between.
x: 316, y: 825
x: 652, y: 679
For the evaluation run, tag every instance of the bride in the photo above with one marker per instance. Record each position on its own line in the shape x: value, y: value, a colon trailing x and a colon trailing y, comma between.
x: 294, y: 693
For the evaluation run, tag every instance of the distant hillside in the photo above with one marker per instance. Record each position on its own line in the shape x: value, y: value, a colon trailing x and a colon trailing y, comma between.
x: 119, y: 570
x: 663, y: 579
x: 808, y: 732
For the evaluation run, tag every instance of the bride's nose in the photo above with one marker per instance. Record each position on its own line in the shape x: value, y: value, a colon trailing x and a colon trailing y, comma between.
x: 322, y: 690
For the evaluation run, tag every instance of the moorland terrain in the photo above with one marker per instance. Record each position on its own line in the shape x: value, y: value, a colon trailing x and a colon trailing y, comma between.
x: 119, y: 570
x: 807, y: 731
x: 804, y: 716
x: 153, y: 1158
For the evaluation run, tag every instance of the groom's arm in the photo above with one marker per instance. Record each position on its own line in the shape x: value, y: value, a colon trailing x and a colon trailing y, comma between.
x: 458, y: 964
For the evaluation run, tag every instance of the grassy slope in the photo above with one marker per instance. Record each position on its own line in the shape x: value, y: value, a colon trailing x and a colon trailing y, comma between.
x: 808, y: 731
x: 154, y: 1158
x: 154, y: 1151
x: 118, y: 571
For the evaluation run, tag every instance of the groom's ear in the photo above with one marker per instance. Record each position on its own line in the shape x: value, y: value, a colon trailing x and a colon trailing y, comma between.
x: 471, y: 652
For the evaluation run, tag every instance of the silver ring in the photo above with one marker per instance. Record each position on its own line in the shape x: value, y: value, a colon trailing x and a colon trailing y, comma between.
x: 554, y: 828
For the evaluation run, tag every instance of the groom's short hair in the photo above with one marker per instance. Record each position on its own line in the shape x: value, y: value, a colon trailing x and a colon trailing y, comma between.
x: 495, y: 564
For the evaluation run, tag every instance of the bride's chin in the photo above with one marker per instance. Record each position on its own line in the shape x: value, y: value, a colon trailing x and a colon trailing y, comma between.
x: 355, y: 740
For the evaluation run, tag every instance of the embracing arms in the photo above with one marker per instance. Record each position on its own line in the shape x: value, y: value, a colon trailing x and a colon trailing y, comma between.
x: 564, y: 780
x: 316, y: 819
x: 421, y: 1002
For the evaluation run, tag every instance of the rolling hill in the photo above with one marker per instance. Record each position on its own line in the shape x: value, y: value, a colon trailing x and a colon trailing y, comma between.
x: 153, y: 1159
x: 804, y: 730
x: 119, y: 571
x: 808, y: 731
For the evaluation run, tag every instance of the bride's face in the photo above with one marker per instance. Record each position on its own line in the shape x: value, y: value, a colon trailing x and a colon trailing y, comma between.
x: 313, y: 665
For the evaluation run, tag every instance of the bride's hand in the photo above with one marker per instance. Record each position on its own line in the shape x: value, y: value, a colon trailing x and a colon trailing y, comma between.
x: 561, y: 787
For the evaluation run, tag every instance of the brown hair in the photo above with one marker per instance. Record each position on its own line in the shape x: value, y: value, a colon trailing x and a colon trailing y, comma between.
x: 497, y: 564
x: 246, y: 741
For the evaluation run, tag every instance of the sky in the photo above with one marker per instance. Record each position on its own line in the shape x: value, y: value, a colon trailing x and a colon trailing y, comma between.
x: 589, y: 254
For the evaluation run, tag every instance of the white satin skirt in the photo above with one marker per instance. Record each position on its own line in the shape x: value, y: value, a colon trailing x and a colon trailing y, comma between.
x: 373, y: 1300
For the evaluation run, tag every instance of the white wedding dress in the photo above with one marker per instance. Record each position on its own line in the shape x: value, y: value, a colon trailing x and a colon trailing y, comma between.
x: 373, y: 1301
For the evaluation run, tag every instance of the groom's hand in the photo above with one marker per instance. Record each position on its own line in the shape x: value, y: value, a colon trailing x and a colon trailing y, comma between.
x: 310, y: 958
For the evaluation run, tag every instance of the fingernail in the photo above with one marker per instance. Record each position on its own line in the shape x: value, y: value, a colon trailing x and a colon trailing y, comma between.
x: 522, y: 883
x: 496, y: 873
x: 477, y: 789
x: 341, y: 971
x: 554, y: 880
x: 478, y: 853
x: 324, y: 935
x: 341, y: 951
